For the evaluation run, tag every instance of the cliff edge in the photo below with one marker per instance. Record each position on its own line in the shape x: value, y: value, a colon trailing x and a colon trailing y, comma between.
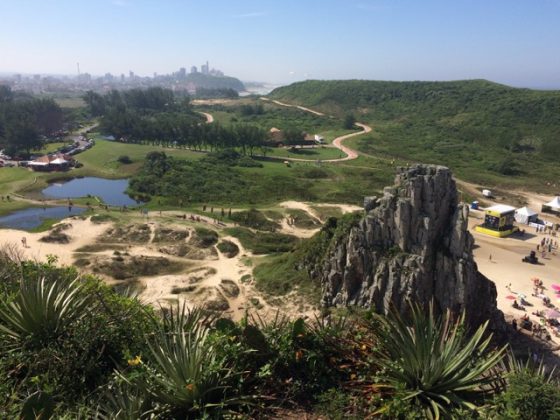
x: 412, y: 244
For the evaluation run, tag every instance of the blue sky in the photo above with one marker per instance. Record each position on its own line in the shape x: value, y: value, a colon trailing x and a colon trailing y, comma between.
x: 515, y: 42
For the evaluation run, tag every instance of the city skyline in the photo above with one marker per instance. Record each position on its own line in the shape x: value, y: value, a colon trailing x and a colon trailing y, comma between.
x: 280, y: 42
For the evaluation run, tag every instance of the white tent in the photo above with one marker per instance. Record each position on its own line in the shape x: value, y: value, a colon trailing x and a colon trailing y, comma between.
x: 552, y: 206
x: 59, y: 161
x: 525, y: 215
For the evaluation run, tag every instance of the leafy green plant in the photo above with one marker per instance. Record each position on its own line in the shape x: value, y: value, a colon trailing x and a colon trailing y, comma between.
x: 186, y: 375
x: 432, y: 363
x: 42, y: 310
x: 530, y: 390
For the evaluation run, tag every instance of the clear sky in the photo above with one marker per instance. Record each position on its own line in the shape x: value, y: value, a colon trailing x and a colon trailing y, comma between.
x: 515, y: 42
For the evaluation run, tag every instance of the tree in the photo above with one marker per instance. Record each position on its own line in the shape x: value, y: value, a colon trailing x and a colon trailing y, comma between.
x: 349, y: 121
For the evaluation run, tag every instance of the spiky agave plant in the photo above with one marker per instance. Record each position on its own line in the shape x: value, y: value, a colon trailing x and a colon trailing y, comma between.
x: 41, y: 310
x: 186, y: 375
x: 432, y: 363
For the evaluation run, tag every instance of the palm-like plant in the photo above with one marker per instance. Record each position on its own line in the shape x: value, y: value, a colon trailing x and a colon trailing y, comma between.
x: 187, y: 375
x: 41, y: 310
x: 432, y: 363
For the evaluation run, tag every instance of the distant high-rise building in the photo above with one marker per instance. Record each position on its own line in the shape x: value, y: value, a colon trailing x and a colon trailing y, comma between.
x: 182, y: 72
x: 194, y: 69
x: 131, y: 74
x: 122, y: 77
x: 155, y: 74
x: 205, y: 68
x: 108, y: 77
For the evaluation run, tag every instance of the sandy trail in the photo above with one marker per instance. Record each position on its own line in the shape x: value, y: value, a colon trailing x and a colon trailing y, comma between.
x: 82, y: 232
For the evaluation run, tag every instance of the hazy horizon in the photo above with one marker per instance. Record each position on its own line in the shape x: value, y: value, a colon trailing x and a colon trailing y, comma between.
x: 507, y: 42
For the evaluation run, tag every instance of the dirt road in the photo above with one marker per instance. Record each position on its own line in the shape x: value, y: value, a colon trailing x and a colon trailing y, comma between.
x: 337, y: 142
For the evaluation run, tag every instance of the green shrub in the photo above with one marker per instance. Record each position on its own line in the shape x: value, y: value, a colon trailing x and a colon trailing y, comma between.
x: 228, y: 248
x: 205, y: 238
x: 528, y: 397
x: 430, y: 362
x: 186, y: 375
x: 254, y: 219
x: 263, y: 243
x: 124, y: 159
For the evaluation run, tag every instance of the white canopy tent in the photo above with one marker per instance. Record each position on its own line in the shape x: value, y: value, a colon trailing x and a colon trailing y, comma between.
x: 525, y: 215
x: 59, y: 161
x: 553, y: 205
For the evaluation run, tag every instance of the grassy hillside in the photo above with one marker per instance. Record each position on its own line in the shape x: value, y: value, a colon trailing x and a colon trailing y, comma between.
x: 482, y: 130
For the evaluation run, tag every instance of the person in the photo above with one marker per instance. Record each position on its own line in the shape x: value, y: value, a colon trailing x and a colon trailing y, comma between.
x: 24, y: 242
x: 515, y: 305
x: 490, y: 257
x: 514, y: 324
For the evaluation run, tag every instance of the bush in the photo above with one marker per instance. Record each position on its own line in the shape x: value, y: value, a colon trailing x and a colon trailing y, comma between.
x: 124, y: 159
x: 228, y: 248
x: 254, y: 219
x: 529, y: 397
x: 69, y: 341
x: 429, y: 362
x: 264, y: 243
x: 205, y: 238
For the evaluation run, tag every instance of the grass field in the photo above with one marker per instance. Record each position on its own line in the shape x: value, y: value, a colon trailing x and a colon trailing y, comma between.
x: 51, y: 147
x: 315, y: 153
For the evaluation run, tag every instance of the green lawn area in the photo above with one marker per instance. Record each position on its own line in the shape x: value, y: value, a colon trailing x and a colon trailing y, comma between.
x: 51, y: 147
x: 101, y: 159
x: 12, y: 179
x: 316, y: 153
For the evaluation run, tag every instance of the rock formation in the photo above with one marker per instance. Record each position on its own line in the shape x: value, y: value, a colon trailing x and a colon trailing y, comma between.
x: 412, y: 244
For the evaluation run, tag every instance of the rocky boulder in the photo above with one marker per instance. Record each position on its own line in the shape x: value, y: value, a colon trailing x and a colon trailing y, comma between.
x: 411, y: 245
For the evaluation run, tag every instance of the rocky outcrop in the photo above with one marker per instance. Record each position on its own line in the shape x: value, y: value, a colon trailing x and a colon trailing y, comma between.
x: 411, y: 245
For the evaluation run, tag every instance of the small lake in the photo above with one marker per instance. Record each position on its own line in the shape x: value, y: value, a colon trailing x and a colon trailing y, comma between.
x: 31, y: 218
x: 110, y: 191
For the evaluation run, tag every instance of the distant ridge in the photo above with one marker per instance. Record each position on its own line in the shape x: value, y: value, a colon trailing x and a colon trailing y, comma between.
x: 207, y: 81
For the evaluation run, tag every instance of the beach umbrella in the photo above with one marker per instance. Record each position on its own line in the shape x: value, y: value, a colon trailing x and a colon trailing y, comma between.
x: 511, y: 297
x: 556, y: 286
x: 552, y: 314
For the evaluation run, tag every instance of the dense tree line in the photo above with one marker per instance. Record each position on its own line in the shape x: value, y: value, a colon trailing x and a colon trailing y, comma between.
x: 216, y: 93
x: 25, y: 121
x: 154, y: 116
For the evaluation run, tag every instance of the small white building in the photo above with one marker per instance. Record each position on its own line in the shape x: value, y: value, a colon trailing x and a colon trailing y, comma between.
x: 319, y: 139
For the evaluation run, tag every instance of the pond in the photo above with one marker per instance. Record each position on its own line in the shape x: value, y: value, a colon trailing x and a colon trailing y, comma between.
x: 110, y: 191
x: 31, y: 218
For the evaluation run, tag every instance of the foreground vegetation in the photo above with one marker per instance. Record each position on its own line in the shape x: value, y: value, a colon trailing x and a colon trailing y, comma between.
x: 73, y: 348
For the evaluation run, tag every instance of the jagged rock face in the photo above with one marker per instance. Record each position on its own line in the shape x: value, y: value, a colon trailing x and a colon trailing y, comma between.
x: 412, y: 244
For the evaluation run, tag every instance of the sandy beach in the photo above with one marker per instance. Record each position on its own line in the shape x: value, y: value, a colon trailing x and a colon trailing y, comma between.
x: 500, y: 259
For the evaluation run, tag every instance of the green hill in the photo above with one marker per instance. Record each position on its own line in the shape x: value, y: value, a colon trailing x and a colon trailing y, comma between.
x: 207, y: 81
x: 483, y: 130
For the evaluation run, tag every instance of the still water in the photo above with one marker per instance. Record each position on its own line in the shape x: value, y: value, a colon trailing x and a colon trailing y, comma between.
x: 110, y: 191
x: 31, y: 218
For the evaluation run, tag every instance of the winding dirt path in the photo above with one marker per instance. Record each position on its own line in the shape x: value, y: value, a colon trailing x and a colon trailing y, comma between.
x: 351, y: 154
x: 209, y: 117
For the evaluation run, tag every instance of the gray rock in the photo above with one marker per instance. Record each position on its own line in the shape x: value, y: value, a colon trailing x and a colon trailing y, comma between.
x: 412, y: 245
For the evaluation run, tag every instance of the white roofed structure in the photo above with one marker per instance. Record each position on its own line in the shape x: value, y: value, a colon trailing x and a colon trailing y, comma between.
x: 525, y: 215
